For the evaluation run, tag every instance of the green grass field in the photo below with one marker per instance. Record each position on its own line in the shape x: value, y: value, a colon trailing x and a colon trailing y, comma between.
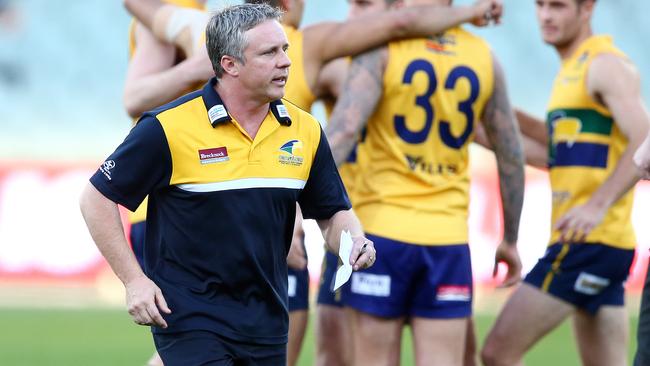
x: 108, y: 337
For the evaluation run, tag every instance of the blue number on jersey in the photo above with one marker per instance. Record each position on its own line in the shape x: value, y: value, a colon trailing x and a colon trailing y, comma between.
x: 423, y: 101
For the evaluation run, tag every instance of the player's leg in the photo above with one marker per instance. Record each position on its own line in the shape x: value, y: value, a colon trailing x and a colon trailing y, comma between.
x: 377, y: 302
x: 471, y: 348
x: 377, y: 340
x: 441, y: 303
x: 298, y: 289
x: 333, y: 332
x: 643, y: 334
x: 603, y: 337
x: 439, y: 341
x: 528, y: 315
x: 297, y: 327
x: 601, y: 325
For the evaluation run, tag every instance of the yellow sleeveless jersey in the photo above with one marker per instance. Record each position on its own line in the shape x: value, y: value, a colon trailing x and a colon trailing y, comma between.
x: 140, y: 214
x: 297, y: 90
x: 584, y: 146
x: 413, y: 181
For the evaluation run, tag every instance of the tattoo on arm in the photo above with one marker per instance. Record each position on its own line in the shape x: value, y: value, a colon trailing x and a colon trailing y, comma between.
x: 361, y: 92
x: 503, y: 133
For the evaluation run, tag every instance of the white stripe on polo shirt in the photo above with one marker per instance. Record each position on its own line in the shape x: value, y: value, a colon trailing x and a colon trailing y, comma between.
x: 244, y: 183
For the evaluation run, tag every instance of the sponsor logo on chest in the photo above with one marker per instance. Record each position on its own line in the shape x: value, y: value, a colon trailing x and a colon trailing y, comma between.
x: 214, y: 155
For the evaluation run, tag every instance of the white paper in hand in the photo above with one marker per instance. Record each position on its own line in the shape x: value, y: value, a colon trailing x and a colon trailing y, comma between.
x: 345, y: 271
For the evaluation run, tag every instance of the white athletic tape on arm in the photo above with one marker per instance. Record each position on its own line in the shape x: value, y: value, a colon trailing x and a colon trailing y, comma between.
x: 181, y: 18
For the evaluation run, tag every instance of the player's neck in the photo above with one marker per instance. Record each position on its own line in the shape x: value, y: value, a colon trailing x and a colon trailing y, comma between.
x: 247, y: 110
x: 567, y: 50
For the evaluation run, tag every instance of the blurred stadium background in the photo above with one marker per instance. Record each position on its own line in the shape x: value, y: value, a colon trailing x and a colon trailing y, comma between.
x: 62, y: 68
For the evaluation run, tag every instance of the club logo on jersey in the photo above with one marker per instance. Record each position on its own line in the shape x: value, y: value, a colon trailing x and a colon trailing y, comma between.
x: 590, y: 284
x: 439, y: 43
x: 106, y: 168
x: 565, y: 129
x: 453, y: 293
x: 214, y: 155
x: 289, y: 153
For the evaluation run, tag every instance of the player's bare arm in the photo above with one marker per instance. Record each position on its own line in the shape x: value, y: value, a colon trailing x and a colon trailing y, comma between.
x: 330, y: 40
x: 143, y: 298
x: 170, y: 23
x: 622, y: 96
x: 503, y: 134
x: 152, y: 79
x: 361, y: 93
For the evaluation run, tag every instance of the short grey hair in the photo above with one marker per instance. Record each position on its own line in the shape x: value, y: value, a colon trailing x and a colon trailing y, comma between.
x: 225, y: 31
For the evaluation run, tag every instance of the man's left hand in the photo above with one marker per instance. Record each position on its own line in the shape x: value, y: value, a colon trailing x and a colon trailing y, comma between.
x: 363, y: 253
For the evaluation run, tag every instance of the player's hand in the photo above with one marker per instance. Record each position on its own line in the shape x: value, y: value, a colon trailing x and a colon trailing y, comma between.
x: 144, y: 300
x: 296, y: 258
x: 507, y: 253
x: 487, y: 12
x: 363, y: 253
x: 576, y: 224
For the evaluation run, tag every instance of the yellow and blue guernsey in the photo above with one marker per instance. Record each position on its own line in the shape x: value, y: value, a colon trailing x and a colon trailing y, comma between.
x: 413, y: 181
x: 222, y: 208
x: 297, y: 90
x: 585, y: 146
x: 140, y: 214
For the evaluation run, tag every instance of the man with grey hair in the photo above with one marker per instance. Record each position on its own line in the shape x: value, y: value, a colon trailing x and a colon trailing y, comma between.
x: 223, y: 167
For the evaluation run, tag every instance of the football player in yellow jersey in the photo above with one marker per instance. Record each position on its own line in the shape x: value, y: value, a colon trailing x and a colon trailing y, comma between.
x: 312, y: 47
x: 420, y: 101
x: 596, y: 120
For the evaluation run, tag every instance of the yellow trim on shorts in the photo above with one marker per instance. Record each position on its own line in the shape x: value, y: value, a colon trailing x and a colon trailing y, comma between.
x: 555, y: 267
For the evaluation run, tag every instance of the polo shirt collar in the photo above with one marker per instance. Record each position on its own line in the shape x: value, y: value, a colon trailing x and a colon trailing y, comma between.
x: 218, y: 113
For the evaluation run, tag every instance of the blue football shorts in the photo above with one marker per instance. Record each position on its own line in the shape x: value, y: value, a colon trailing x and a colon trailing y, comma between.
x: 587, y: 275
x: 328, y: 273
x: 413, y: 280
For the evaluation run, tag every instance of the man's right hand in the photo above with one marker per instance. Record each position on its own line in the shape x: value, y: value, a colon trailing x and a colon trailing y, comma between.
x: 487, y: 12
x: 143, y: 300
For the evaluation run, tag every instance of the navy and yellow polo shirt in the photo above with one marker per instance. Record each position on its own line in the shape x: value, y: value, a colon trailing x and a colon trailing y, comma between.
x: 222, y: 207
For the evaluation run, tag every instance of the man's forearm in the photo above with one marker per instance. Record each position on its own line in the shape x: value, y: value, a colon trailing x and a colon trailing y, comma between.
x: 154, y: 90
x: 103, y: 220
x: 340, y: 221
x: 622, y: 179
x: 143, y: 10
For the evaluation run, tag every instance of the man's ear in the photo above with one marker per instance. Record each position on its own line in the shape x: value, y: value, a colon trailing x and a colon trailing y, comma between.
x: 230, y: 65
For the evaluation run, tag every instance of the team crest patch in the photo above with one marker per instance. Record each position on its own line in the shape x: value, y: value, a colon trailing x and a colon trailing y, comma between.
x: 565, y: 129
x: 289, y: 153
x: 214, y: 155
